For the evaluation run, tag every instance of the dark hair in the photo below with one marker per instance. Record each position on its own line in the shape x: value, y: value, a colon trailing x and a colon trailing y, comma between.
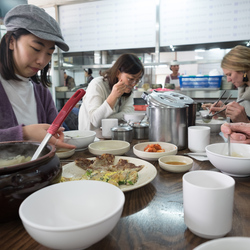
x: 7, y: 63
x: 126, y: 63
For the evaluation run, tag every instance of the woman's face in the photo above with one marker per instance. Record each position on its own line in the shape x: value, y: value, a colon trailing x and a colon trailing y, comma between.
x: 30, y: 54
x: 235, y: 77
x: 129, y: 80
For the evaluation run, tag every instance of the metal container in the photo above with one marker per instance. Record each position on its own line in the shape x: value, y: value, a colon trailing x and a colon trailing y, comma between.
x: 168, y: 114
x: 123, y: 133
x: 141, y: 130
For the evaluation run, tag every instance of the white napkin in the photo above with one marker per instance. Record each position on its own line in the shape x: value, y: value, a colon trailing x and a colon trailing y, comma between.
x: 198, y: 156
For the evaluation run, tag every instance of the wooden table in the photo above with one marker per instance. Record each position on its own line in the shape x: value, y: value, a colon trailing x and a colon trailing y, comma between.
x: 152, y: 217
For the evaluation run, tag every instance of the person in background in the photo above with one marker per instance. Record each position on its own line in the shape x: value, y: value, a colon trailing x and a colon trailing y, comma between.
x: 88, y: 75
x: 240, y: 132
x: 174, y: 77
x: 26, y: 105
x: 110, y: 95
x: 236, y: 67
x: 69, y: 81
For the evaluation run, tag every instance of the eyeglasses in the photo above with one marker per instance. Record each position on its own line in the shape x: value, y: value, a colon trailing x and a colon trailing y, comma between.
x: 133, y: 81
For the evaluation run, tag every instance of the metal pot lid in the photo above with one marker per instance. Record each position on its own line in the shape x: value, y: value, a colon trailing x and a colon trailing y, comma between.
x: 121, y: 129
x: 170, y: 99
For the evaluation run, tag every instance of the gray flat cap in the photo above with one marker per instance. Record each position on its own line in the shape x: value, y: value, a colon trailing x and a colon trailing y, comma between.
x: 37, y: 22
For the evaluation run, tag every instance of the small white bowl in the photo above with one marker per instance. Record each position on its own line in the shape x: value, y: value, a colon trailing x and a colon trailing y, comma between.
x: 79, y: 138
x: 69, y: 216
x: 166, y: 163
x: 64, y: 152
x: 115, y: 147
x: 239, y: 166
x: 138, y: 149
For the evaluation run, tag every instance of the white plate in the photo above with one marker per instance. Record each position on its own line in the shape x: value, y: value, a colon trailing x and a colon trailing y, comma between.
x: 146, y: 175
x: 228, y: 243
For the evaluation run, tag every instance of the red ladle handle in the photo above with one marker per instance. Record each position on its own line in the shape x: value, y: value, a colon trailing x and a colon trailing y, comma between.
x: 70, y: 104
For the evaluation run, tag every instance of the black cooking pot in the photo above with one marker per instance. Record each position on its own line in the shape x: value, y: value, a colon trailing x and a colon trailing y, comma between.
x: 19, y: 181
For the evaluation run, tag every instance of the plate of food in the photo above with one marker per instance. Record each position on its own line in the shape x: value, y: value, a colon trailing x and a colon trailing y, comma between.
x: 127, y: 173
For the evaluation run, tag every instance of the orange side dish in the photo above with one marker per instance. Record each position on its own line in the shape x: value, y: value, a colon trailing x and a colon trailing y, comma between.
x: 154, y: 148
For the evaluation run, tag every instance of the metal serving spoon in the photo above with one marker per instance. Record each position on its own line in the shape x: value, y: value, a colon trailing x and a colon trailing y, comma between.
x: 208, y: 118
x: 228, y: 139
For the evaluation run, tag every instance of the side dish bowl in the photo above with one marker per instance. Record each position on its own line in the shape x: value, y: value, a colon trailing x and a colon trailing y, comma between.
x: 175, y: 163
x: 115, y: 147
x: 236, y: 165
x: 79, y: 138
x: 170, y: 149
x: 68, y: 216
x: 64, y: 152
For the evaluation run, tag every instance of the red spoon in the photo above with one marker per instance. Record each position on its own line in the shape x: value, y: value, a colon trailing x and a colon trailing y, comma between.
x: 70, y: 104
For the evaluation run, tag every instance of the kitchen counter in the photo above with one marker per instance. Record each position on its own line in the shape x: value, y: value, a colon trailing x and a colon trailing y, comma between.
x: 201, y: 95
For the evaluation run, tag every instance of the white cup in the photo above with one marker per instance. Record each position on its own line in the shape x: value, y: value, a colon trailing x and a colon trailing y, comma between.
x: 208, y: 198
x: 198, y: 138
x: 107, y: 124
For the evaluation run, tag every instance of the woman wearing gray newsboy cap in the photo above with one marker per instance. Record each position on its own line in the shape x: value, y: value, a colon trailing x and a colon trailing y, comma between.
x: 26, y: 105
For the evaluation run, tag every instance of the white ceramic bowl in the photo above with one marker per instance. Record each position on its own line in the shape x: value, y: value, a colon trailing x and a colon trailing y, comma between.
x: 214, y: 124
x: 228, y: 243
x: 64, y: 152
x: 79, y: 138
x: 67, y: 216
x: 170, y: 149
x: 235, y: 166
x: 115, y: 147
x: 167, y: 163
x: 134, y: 117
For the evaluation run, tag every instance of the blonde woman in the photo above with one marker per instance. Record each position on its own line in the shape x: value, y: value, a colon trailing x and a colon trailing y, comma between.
x: 236, y: 67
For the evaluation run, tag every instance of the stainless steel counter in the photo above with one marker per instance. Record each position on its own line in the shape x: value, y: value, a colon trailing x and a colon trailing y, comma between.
x: 199, y: 96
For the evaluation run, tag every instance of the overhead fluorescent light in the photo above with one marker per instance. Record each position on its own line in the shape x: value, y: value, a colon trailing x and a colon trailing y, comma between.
x: 214, y: 49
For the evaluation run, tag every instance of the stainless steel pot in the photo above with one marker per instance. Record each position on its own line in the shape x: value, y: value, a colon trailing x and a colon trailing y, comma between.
x: 169, y: 116
x: 168, y: 125
x: 123, y: 133
x: 141, y: 130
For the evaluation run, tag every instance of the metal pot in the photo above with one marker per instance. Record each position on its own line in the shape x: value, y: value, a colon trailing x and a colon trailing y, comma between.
x: 169, y: 116
x: 18, y: 181
x: 141, y: 130
x: 123, y: 133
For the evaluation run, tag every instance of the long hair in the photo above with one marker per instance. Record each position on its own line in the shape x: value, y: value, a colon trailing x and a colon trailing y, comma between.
x: 237, y: 59
x: 126, y: 63
x: 7, y: 69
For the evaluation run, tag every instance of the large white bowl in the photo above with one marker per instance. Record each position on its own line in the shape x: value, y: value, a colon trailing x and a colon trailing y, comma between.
x: 79, y: 138
x: 72, y: 215
x: 165, y: 164
x: 115, y: 147
x: 214, y: 124
x: 170, y: 149
x: 235, y: 166
x: 228, y: 243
